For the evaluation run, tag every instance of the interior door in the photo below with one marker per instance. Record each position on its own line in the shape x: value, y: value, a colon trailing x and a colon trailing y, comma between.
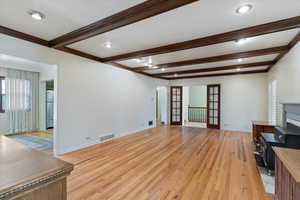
x: 176, y: 105
x: 213, y: 106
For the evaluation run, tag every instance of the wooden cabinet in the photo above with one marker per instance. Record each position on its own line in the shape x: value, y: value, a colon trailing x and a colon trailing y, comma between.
x: 27, y: 174
x: 259, y: 127
x: 287, y: 174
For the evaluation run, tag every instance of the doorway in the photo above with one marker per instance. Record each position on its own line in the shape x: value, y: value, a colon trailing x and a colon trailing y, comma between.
x: 196, y: 106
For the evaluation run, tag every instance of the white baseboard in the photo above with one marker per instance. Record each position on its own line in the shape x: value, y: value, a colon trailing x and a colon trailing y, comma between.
x: 91, y: 143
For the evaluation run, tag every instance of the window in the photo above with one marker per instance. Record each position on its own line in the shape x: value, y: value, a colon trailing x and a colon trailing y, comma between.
x: 18, y: 95
x: 273, y: 101
x: 2, y: 93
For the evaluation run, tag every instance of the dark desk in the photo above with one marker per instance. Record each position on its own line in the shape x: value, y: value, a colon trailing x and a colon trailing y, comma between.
x: 259, y: 127
x: 287, y: 174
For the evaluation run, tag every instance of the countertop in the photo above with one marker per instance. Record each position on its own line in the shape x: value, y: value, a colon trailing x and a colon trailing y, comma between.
x: 21, y: 165
x: 291, y: 160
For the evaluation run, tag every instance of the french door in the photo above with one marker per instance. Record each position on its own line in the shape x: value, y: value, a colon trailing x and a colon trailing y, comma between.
x: 176, y: 105
x: 213, y: 106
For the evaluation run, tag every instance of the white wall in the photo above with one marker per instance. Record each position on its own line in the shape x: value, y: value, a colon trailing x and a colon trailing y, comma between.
x: 243, y: 98
x: 162, y: 104
x: 186, y: 103
x: 93, y: 98
x: 287, y: 74
x: 198, y: 96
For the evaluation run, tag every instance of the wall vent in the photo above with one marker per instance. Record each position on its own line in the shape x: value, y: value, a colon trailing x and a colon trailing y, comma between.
x: 106, y: 137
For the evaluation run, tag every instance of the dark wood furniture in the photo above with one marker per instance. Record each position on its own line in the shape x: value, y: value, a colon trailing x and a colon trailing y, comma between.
x: 28, y: 174
x: 176, y: 105
x: 287, y: 174
x: 214, y: 106
x: 288, y: 137
x: 259, y: 127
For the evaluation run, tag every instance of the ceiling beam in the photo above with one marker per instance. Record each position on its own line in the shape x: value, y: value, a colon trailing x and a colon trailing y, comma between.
x: 212, y: 69
x: 263, y: 29
x: 80, y: 53
x: 246, y: 54
x: 295, y: 40
x: 23, y: 36
x: 36, y: 40
x: 131, y: 15
x: 131, y: 69
x: 220, y: 74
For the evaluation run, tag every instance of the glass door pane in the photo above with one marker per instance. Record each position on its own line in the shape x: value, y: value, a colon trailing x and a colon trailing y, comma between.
x: 176, y: 105
x: 213, y: 102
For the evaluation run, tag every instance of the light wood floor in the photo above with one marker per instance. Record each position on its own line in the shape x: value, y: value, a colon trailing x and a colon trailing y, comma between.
x: 167, y: 163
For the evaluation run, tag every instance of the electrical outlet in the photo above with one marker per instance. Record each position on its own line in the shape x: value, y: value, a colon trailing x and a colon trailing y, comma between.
x: 150, y: 123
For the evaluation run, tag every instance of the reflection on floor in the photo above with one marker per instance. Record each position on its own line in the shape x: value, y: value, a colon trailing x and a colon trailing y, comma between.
x: 178, y: 163
x: 195, y: 124
x: 267, y: 180
x: 39, y: 140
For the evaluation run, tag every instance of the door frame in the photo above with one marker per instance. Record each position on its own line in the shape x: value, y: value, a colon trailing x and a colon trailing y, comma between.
x: 171, y: 102
x: 218, y: 126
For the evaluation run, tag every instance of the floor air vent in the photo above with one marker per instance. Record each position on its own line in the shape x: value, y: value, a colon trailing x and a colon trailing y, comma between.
x: 107, y: 137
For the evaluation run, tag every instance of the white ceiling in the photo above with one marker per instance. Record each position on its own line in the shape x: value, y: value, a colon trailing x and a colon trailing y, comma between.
x: 260, y: 42
x: 62, y: 16
x: 216, y: 64
x: 219, y: 72
x: 200, y: 19
x: 196, y: 20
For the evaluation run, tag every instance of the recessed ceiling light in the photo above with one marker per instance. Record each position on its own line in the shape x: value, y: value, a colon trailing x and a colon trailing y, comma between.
x: 238, y: 69
x: 163, y: 69
x: 242, y: 41
x: 240, y: 59
x: 138, y: 60
x: 244, y: 9
x: 108, y: 45
x: 175, y: 75
x: 36, y: 15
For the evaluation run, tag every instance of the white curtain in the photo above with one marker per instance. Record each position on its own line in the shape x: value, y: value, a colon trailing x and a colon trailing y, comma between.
x: 273, y: 107
x: 21, y: 106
